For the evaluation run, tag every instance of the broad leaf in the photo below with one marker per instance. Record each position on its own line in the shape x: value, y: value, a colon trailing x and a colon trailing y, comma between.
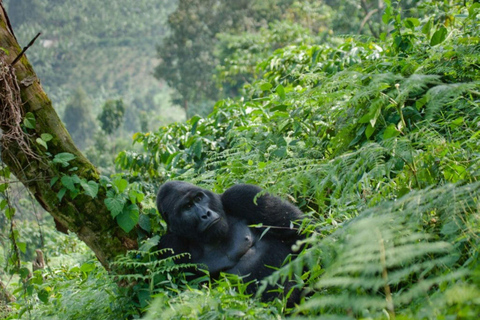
x: 439, y: 36
x: 90, y: 188
x: 115, y: 204
x: 128, y: 218
x: 63, y: 158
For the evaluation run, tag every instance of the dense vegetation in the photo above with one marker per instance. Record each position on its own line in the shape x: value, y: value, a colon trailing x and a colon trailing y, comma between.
x: 90, y: 52
x: 375, y: 139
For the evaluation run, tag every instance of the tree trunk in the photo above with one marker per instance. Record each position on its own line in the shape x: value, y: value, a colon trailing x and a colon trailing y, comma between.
x: 88, y: 218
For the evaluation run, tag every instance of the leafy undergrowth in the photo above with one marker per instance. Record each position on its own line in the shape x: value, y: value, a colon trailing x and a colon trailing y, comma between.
x: 377, y: 141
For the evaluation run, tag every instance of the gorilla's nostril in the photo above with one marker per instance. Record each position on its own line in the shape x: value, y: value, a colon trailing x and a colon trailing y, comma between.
x: 206, y: 215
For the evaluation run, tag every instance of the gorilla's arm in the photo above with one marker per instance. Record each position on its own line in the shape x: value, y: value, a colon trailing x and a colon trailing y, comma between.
x: 177, y: 244
x: 239, y: 201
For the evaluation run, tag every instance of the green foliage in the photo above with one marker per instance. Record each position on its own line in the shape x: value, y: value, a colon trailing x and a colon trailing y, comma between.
x: 377, y: 141
x: 111, y: 116
x: 93, y: 45
x: 29, y: 120
x: 63, y: 158
x: 386, y: 259
x: 150, y: 274
x: 81, y: 292
x: 240, y: 54
x: 189, y: 55
x: 227, y: 301
x: 122, y: 201
x: 78, y: 118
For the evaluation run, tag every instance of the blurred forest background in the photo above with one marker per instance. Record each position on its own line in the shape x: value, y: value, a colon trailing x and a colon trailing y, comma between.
x: 365, y: 113
x: 165, y: 60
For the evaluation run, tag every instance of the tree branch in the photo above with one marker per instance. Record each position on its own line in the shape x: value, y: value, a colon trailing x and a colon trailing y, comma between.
x: 364, y: 6
x: 25, y: 49
x: 367, y: 18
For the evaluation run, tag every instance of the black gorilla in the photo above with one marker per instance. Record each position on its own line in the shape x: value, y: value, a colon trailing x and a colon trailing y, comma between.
x: 215, y: 230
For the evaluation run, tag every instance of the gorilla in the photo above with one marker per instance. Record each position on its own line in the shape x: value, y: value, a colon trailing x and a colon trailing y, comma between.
x: 216, y: 229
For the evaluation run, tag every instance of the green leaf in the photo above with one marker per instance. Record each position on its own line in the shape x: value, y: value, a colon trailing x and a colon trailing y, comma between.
x: 68, y: 182
x: 3, y: 204
x: 121, y: 184
x: 61, y: 193
x: 194, y: 121
x: 390, y: 132
x: 43, y: 295
x: 281, y: 107
x: 144, y: 223
x: 128, y: 218
x: 472, y: 10
x: 373, y: 120
x: 22, y: 246
x: 365, y: 118
x: 90, y: 188
x: 265, y: 86
x: 3, y: 187
x: 115, y: 204
x: 387, y: 15
x: 135, y: 196
x: 138, y: 137
x: 281, y: 91
x: 427, y: 27
x: 411, y: 23
x: 29, y: 120
x: 369, y: 130
x: 63, y: 158
x: 42, y: 143
x: 456, y: 123
x: 9, y: 212
x: 197, y: 149
x: 5, y: 172
x: 439, y: 36
x: 87, y: 267
x: 149, y: 244
x: 24, y: 273
x: 54, y: 180
x: 280, y: 152
x: 46, y: 137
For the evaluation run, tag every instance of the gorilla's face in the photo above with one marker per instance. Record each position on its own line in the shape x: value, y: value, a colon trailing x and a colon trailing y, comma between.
x: 192, y: 212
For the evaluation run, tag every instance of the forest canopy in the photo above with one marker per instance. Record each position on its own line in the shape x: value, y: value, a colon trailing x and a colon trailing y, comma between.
x: 364, y: 114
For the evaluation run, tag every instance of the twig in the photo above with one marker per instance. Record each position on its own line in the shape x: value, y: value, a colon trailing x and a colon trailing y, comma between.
x: 366, y: 19
x: 25, y: 49
x: 364, y: 6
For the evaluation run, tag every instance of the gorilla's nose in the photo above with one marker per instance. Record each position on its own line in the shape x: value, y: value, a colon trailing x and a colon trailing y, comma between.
x: 206, y: 215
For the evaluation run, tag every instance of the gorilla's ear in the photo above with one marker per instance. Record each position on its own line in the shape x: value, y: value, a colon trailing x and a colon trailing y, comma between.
x: 162, y: 193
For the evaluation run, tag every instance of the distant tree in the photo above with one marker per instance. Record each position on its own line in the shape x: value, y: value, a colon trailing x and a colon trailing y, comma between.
x: 239, y: 54
x: 112, y: 115
x: 186, y: 59
x: 79, y: 120
x: 187, y: 56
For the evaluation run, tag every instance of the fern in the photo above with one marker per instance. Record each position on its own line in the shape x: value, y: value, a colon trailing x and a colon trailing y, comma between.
x: 391, y: 255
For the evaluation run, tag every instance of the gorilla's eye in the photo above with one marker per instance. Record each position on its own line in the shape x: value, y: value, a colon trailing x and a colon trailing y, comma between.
x: 198, y: 197
x: 189, y: 205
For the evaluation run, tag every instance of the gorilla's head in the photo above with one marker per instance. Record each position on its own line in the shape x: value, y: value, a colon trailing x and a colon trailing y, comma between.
x: 192, y: 212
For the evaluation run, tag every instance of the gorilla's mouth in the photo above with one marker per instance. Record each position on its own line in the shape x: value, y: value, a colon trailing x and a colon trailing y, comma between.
x: 211, y: 224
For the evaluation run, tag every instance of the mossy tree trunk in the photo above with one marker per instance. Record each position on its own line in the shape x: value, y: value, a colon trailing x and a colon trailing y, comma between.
x: 88, y: 217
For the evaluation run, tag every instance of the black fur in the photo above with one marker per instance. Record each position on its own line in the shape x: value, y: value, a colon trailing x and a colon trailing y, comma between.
x: 215, y: 230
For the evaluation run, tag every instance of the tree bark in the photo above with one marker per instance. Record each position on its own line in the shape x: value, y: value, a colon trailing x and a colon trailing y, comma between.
x: 88, y: 218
